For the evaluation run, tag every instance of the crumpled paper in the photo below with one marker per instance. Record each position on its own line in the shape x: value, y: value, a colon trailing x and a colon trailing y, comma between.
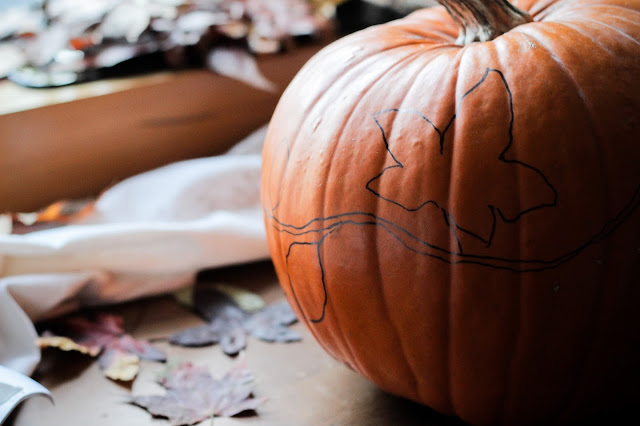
x: 149, y: 234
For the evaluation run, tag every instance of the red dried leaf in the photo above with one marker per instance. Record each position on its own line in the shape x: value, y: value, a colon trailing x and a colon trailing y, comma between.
x: 192, y: 395
x: 118, y: 352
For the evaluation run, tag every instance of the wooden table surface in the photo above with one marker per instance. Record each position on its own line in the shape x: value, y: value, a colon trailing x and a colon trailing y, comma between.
x: 304, y: 386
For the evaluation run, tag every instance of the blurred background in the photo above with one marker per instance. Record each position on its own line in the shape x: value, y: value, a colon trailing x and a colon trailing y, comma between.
x: 95, y: 92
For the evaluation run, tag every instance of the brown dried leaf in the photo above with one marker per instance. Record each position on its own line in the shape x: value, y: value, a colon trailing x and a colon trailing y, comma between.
x: 66, y: 344
x: 119, y: 353
x: 192, y: 395
x: 119, y: 365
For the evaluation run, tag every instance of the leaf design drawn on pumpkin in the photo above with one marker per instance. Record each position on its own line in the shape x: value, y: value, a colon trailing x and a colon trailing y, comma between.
x: 501, y: 181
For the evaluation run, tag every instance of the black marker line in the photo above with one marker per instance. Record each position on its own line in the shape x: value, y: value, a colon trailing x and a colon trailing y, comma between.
x: 324, y: 226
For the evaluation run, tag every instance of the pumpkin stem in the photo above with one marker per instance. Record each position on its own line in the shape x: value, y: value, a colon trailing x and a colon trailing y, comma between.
x: 483, y: 20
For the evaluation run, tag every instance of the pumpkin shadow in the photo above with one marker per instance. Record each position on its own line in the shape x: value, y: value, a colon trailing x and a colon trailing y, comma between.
x: 58, y: 367
x: 394, y: 410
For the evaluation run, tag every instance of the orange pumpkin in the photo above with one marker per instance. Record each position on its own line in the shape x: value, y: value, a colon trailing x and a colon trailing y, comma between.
x: 460, y: 223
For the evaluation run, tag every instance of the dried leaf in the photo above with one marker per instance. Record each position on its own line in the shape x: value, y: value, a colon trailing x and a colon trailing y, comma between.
x: 244, y: 298
x: 66, y: 344
x: 119, y: 353
x: 271, y: 324
x: 192, y: 395
x: 119, y: 365
x: 237, y: 63
x: 229, y: 324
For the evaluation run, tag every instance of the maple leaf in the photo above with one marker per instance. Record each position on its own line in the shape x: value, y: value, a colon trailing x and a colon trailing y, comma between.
x: 193, y: 395
x: 118, y: 353
x: 229, y: 324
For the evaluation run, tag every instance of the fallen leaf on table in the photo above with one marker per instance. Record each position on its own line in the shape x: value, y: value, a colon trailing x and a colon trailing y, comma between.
x: 271, y: 323
x: 229, y: 324
x: 118, y: 353
x: 245, y: 299
x: 193, y: 395
x: 48, y: 340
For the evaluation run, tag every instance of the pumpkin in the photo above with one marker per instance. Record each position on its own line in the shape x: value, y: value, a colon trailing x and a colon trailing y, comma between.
x: 451, y: 203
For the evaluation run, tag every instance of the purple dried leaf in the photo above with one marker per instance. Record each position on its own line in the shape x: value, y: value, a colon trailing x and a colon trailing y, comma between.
x: 234, y: 339
x: 141, y: 348
x: 270, y: 324
x: 193, y: 395
x: 229, y: 324
x: 213, y: 304
x: 196, y: 336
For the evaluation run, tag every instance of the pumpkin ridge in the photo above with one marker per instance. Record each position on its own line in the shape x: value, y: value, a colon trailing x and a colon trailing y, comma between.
x: 610, y: 27
x: 570, y: 8
x: 588, y: 109
x: 340, y: 336
x: 285, y: 142
x: 399, y: 342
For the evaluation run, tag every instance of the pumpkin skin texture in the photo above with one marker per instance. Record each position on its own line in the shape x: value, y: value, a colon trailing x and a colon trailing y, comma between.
x: 460, y: 224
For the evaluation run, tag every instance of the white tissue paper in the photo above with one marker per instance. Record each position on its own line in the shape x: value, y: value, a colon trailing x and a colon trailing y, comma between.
x: 149, y: 234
